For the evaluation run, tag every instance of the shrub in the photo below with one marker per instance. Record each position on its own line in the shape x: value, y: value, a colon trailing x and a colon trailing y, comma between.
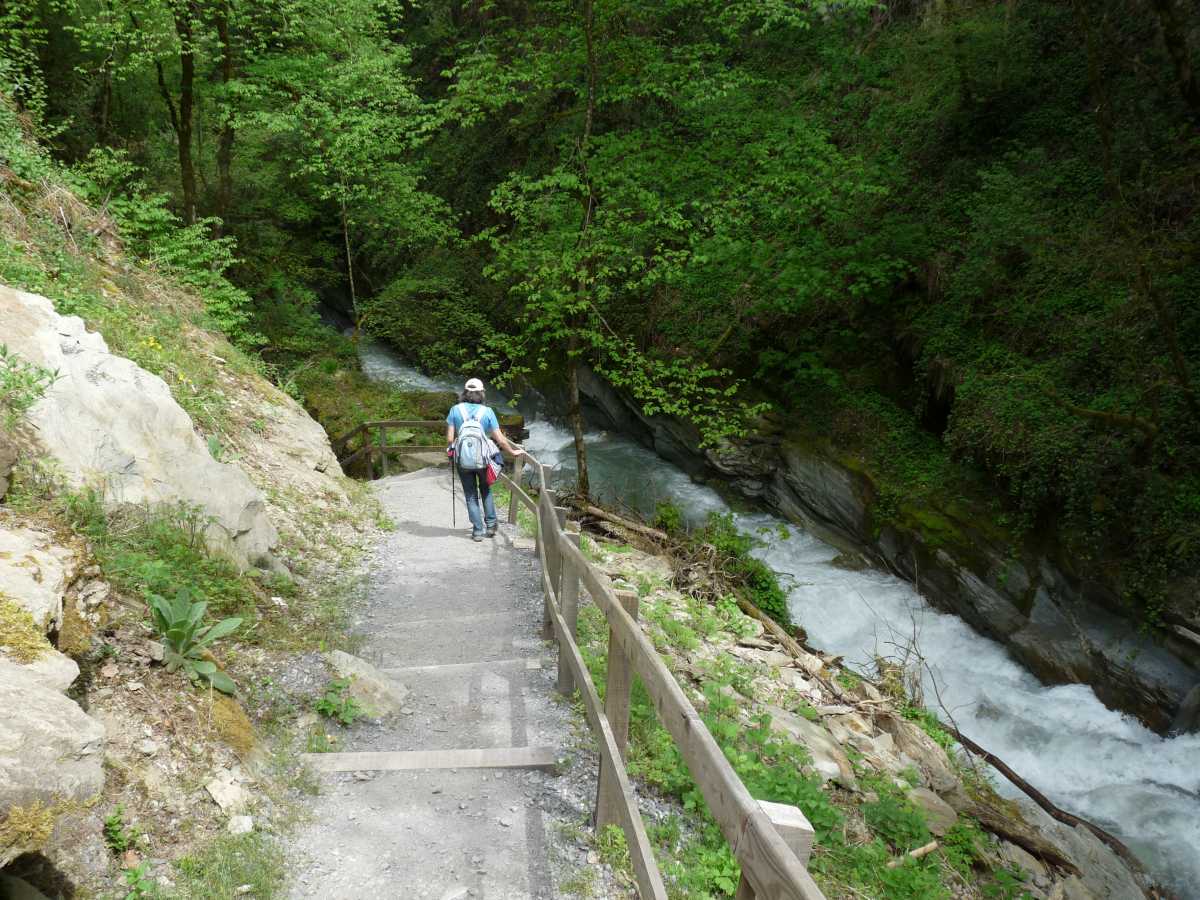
x: 336, y: 703
x: 178, y: 621
x: 22, y: 384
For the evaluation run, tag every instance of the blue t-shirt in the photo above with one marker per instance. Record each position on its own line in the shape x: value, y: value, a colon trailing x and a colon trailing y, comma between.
x: 487, y: 418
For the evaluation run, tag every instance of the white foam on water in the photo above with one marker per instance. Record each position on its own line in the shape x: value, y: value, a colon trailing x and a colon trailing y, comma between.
x: 622, y: 472
x: 1099, y: 764
x: 379, y: 362
x: 1090, y: 760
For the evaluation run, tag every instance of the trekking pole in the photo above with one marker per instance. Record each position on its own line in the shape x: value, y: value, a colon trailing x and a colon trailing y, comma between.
x: 453, y: 502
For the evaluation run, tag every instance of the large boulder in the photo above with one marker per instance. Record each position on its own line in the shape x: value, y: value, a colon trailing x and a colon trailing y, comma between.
x: 51, y: 754
x: 112, y: 425
x: 35, y: 571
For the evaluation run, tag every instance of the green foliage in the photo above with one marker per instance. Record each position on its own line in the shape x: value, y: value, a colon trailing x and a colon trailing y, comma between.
x: 140, y: 883
x: 118, y: 836
x: 897, y: 821
x: 228, y: 863
x: 750, y: 574
x: 929, y: 724
x: 336, y: 703
x: 22, y: 384
x: 188, y: 253
x: 153, y: 551
x: 178, y: 623
x: 668, y: 517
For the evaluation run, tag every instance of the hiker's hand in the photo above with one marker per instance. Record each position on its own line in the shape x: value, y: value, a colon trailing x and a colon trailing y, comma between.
x: 517, y: 450
x: 450, y: 451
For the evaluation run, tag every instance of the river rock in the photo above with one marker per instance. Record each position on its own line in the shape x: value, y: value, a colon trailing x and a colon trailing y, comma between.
x: 113, y: 425
x: 1188, y: 718
x: 829, y: 759
x: 378, y: 694
x: 940, y: 817
x: 51, y: 751
x: 35, y: 571
x: 926, y: 754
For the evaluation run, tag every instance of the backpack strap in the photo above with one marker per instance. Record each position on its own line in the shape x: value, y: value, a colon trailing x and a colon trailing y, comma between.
x: 470, y: 417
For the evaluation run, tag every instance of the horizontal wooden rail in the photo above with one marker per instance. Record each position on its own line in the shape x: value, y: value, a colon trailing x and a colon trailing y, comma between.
x: 376, y: 449
x: 765, y: 838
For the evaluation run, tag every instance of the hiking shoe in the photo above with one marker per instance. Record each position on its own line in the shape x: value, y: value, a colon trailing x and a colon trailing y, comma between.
x: 492, y: 529
x: 477, y: 536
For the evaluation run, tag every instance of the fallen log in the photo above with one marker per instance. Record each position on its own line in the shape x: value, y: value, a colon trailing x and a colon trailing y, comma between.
x: 1055, y: 812
x: 637, y: 528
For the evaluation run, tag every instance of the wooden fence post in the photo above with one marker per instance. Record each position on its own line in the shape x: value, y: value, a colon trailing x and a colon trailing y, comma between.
x: 616, y: 710
x: 513, y: 501
x: 383, y: 451
x: 796, y: 832
x: 568, y: 605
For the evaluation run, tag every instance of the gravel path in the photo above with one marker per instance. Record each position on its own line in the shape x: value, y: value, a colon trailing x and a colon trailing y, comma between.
x: 436, y: 599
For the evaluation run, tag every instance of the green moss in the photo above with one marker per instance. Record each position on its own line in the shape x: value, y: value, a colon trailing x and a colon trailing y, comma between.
x: 27, y: 828
x: 19, y: 634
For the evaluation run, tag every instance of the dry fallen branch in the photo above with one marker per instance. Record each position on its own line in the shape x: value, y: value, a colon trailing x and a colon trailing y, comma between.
x: 923, y: 850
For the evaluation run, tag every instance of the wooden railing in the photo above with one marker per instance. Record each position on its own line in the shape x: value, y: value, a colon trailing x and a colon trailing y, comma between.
x: 373, y: 449
x: 771, y: 841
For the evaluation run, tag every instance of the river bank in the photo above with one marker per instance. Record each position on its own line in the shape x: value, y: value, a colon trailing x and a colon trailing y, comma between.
x: 875, y: 776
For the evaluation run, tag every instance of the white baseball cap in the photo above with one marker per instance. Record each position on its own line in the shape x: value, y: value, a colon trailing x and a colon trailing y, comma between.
x: 473, y: 384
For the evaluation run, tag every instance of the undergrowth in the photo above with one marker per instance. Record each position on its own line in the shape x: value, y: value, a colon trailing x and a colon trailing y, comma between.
x: 847, y: 861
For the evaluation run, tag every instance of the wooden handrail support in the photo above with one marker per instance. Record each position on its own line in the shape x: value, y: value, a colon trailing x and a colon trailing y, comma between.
x: 770, y: 841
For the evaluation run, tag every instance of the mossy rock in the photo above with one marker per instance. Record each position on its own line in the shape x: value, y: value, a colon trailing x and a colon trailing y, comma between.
x: 20, y: 635
x: 232, y: 724
x: 26, y: 829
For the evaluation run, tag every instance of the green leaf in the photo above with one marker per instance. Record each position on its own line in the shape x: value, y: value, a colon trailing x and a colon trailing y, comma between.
x: 222, y: 682
x: 220, y: 630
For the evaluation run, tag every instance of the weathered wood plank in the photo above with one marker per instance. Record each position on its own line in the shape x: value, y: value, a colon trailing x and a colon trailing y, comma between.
x: 772, y: 868
x: 494, y: 665
x: 403, y: 760
x: 616, y: 710
x: 641, y: 853
x: 515, y: 492
x: 796, y: 832
x: 518, y: 495
x: 568, y: 604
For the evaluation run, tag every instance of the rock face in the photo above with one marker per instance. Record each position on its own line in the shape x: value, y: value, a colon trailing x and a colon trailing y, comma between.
x: 1066, y: 626
x: 51, y: 752
x: 35, y: 572
x: 112, y: 425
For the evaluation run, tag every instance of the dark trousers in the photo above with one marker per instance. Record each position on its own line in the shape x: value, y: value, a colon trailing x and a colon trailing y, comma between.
x: 481, y: 507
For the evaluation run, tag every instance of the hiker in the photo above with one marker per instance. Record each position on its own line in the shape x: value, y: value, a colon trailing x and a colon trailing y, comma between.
x: 471, y: 429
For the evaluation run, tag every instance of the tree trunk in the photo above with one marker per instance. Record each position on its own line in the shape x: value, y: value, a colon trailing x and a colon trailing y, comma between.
x: 575, y: 415
x: 226, y: 135
x: 1175, y: 37
x: 183, y: 131
x: 350, y: 266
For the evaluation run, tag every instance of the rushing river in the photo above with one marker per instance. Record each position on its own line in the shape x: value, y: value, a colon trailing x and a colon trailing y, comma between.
x: 1094, y: 762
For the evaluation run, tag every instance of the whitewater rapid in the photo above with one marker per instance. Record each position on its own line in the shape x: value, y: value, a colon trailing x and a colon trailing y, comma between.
x: 1090, y: 760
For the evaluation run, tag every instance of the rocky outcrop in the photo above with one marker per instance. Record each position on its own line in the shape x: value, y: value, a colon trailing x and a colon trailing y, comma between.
x: 51, y: 755
x: 112, y: 425
x: 35, y: 571
x: 1065, y: 625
